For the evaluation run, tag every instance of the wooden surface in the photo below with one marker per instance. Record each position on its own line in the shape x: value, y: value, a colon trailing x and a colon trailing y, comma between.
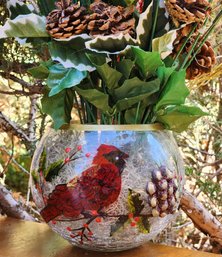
x: 28, y: 239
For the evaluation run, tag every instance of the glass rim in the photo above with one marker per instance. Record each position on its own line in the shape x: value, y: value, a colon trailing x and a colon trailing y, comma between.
x: 121, y: 127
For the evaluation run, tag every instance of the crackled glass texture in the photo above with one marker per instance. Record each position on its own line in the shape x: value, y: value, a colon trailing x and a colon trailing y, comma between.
x: 107, y: 190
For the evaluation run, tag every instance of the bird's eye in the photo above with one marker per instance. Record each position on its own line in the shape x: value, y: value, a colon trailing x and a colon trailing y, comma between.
x: 117, y: 158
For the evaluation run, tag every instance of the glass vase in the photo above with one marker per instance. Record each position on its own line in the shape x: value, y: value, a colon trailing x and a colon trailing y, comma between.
x: 107, y: 188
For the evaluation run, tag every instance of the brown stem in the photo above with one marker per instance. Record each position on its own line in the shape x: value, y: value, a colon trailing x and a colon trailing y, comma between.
x: 201, y: 218
x: 11, y: 207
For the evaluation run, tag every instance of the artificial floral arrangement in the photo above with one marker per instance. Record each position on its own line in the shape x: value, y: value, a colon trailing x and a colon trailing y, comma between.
x: 117, y: 62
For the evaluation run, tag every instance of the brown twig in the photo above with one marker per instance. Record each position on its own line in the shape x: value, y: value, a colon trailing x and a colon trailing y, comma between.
x: 201, y: 218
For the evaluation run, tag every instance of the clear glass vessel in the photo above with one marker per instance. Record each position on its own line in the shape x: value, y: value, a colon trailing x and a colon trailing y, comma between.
x: 107, y: 188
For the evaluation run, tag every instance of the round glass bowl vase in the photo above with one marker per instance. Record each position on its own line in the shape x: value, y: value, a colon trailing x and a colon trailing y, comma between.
x: 107, y: 188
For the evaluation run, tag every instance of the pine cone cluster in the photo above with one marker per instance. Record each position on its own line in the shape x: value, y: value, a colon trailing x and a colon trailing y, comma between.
x: 188, y: 10
x: 69, y: 19
x: 108, y: 19
x: 203, y: 61
x: 101, y: 19
x: 162, y: 192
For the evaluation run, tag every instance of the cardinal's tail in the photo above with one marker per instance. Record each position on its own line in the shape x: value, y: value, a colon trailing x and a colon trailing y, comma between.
x: 50, y: 212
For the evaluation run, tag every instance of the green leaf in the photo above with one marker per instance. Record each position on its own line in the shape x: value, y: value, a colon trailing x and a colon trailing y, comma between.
x: 135, y: 203
x: 144, y: 225
x: 122, y: 220
x: 39, y: 72
x: 96, y: 98
x: 61, y: 78
x: 144, y: 27
x: 164, y: 74
x: 148, y: 62
x: 175, y: 90
x: 46, y: 6
x: 58, y: 107
x: 125, y: 67
x: 16, y: 8
x: 25, y: 26
x: 110, y: 44
x: 53, y: 170
x: 69, y: 57
x: 178, y: 118
x: 130, y: 115
x: 42, y: 161
x: 164, y: 44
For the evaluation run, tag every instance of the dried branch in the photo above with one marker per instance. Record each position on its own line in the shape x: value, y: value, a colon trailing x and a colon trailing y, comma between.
x: 32, y: 117
x: 11, y: 127
x: 11, y: 207
x: 201, y: 218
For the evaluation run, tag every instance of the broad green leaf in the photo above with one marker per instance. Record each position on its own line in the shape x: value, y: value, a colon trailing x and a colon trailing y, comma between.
x: 164, y: 44
x: 16, y: 8
x: 134, y: 91
x: 110, y: 44
x: 148, y: 62
x: 24, y: 26
x: 178, y: 118
x: 69, y: 57
x: 109, y: 75
x: 130, y: 115
x: 164, y: 74
x: 58, y: 107
x: 96, y: 98
x: 125, y: 67
x: 136, y: 87
x: 39, y: 72
x: 46, y: 6
x: 144, y: 27
x: 175, y: 90
x: 96, y: 59
x: 61, y: 78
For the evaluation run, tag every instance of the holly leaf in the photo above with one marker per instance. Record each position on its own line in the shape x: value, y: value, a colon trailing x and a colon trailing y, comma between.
x: 58, y: 107
x: 178, y: 118
x: 25, y: 26
x: 16, y: 8
x: 144, y: 27
x: 96, y: 98
x: 164, y: 44
x: 61, y: 78
x: 46, y: 6
x: 69, y: 57
x: 144, y: 225
x: 122, y: 220
x: 134, y: 90
x: 111, y: 44
x: 148, y: 62
x: 125, y: 66
x: 134, y: 202
x: 175, y: 90
x: 39, y: 72
x: 53, y: 170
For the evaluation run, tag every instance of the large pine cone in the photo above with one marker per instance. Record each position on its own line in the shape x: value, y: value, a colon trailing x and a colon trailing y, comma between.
x: 203, y: 61
x: 68, y: 20
x: 108, y: 19
x: 187, y: 10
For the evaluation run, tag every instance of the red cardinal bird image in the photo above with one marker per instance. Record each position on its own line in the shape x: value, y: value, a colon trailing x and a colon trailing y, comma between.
x: 97, y: 187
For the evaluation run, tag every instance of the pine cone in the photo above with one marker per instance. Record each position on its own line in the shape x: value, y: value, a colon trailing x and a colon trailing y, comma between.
x: 162, y: 192
x: 108, y: 19
x: 68, y: 20
x: 202, y: 63
x: 188, y: 10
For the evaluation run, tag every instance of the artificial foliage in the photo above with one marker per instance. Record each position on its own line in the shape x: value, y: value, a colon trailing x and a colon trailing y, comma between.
x: 117, y: 62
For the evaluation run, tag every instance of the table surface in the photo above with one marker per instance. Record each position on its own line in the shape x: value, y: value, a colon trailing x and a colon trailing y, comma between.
x: 29, y: 239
